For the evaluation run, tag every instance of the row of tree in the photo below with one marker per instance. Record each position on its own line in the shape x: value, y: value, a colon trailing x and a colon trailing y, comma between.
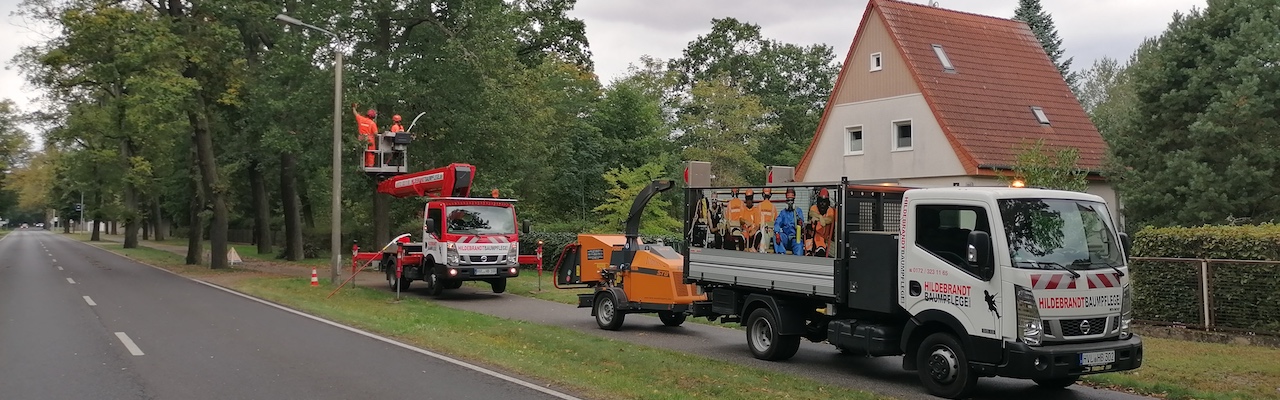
x: 202, y: 115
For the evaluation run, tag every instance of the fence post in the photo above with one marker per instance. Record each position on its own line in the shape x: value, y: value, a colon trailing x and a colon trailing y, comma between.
x: 1204, y: 292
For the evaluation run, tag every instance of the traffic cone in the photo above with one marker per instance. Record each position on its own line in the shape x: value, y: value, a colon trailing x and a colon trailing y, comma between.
x: 315, y: 279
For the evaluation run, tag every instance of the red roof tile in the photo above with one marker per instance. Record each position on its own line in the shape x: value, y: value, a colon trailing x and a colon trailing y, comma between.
x: 1001, y: 71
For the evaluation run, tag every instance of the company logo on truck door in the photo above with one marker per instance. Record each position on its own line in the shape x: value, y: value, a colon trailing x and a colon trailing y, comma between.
x: 1063, y: 281
x: 950, y: 293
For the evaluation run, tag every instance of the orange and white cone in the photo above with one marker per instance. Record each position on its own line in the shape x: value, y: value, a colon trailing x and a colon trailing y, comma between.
x: 315, y: 279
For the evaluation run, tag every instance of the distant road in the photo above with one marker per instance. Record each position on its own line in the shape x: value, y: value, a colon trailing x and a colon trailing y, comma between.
x: 77, y: 322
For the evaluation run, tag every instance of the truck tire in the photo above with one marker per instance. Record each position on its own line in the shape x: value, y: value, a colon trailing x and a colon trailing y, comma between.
x: 608, y: 316
x: 944, y: 368
x: 499, y: 285
x: 671, y: 318
x: 435, y: 286
x: 1056, y: 383
x: 764, y: 340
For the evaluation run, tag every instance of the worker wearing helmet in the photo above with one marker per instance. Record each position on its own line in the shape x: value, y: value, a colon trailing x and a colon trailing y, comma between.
x: 785, y: 227
x: 735, y: 240
x: 395, y: 124
x: 751, y: 222
x: 767, y: 214
x: 368, y: 130
x: 823, y: 216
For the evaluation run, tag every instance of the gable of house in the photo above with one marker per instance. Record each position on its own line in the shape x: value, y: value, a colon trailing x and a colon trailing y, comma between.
x: 991, y: 97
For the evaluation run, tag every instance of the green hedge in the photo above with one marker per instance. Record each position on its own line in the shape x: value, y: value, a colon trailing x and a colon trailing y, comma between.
x: 554, y: 242
x: 1244, y: 296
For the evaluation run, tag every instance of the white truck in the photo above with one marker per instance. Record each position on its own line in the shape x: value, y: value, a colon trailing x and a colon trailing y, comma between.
x: 963, y: 282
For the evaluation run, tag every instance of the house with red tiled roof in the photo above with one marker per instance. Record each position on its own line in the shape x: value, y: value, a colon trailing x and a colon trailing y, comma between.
x: 933, y: 97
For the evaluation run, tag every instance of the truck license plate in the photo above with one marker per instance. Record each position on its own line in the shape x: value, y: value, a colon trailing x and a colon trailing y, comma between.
x: 490, y: 271
x: 1098, y: 358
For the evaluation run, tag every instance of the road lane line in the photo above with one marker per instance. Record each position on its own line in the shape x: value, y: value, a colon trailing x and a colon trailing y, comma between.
x: 55, y: 260
x: 90, y: 301
x: 128, y: 343
x: 72, y: 281
x: 59, y: 268
x: 473, y: 367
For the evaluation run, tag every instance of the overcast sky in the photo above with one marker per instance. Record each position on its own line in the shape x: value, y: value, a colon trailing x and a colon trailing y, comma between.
x: 620, y: 31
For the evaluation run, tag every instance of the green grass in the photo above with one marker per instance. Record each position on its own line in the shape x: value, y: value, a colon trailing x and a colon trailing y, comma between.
x: 1178, y: 369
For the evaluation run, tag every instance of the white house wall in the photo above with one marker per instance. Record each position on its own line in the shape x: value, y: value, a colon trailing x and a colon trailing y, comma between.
x: 930, y: 156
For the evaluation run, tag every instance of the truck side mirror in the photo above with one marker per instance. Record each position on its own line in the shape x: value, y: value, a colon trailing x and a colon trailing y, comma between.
x: 524, y: 227
x: 431, y: 225
x: 1126, y: 244
x: 979, y: 254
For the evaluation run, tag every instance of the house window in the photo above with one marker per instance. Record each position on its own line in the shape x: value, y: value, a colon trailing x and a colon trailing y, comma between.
x: 902, y: 135
x: 1039, y: 113
x: 855, y: 140
x: 942, y: 57
x: 876, y: 62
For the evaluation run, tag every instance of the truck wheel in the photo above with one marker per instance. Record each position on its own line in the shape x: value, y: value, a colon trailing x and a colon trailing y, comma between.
x: 764, y: 340
x: 671, y: 319
x: 944, y: 367
x: 1056, y: 383
x: 608, y: 317
x: 434, y: 285
x: 390, y: 266
x: 499, y: 285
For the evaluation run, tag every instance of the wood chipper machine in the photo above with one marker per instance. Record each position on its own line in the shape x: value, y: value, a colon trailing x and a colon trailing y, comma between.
x: 629, y: 276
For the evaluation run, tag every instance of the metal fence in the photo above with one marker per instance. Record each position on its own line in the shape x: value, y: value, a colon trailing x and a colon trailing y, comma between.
x: 1231, y: 295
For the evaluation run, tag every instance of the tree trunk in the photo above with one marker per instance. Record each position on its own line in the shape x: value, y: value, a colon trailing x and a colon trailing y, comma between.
x: 130, y: 200
x: 96, y: 236
x: 292, y: 217
x: 146, y: 228
x: 66, y: 225
x: 203, y: 138
x: 157, y: 221
x: 381, y: 219
x: 195, y: 226
x: 114, y: 231
x: 308, y: 213
x: 262, y: 208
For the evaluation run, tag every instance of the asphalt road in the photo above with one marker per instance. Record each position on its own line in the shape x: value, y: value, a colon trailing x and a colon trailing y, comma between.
x: 78, y: 322
x: 883, y: 375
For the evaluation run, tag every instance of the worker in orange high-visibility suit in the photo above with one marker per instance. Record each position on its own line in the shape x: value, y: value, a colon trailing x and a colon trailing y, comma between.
x: 368, y: 130
x: 395, y: 124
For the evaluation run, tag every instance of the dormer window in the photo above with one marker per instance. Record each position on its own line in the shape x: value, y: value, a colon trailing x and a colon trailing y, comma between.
x: 877, y: 62
x: 942, y: 57
x: 1040, y: 116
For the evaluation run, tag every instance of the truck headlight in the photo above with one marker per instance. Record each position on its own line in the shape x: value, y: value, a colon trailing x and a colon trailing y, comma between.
x: 451, y: 256
x: 513, y: 255
x: 1029, y: 323
x: 1126, y: 312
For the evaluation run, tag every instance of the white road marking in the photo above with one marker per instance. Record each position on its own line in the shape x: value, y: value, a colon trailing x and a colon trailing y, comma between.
x: 71, y: 280
x: 55, y: 260
x: 128, y: 343
x: 90, y: 301
x: 59, y: 268
x: 371, y: 335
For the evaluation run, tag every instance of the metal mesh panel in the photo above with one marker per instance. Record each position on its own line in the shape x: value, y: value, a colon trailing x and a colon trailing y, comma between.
x: 1167, y: 291
x: 1244, y: 295
x: 892, y: 216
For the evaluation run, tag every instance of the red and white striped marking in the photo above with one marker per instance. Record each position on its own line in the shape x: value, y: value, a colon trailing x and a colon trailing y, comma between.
x: 484, y: 239
x: 1064, y: 281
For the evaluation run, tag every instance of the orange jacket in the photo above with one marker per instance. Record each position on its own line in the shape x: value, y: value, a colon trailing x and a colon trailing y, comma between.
x: 366, y: 125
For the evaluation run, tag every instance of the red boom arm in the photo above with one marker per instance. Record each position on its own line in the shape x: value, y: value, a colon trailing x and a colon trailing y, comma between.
x: 453, y: 180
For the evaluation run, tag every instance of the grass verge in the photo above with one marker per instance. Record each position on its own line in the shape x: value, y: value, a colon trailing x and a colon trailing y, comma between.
x: 1177, y: 369
x: 592, y: 366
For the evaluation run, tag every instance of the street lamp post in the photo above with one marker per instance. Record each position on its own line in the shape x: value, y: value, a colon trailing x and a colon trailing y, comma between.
x: 335, y: 237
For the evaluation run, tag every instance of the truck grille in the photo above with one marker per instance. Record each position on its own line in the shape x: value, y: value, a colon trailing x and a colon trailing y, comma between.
x: 1077, y: 327
x: 485, y: 259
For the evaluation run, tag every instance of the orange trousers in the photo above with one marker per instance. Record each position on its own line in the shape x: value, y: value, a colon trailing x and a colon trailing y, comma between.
x: 368, y: 155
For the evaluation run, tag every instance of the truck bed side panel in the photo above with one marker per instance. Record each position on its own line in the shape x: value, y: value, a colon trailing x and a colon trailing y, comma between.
x: 796, y: 274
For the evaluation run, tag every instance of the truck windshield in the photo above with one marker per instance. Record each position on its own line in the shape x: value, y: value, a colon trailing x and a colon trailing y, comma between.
x: 481, y: 220
x: 1057, y: 233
